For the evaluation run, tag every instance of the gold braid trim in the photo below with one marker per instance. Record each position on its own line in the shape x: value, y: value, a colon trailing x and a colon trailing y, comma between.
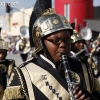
x: 10, y: 67
x: 49, y: 11
x: 91, y: 78
x: 13, y: 93
x: 90, y: 75
x: 22, y: 83
x: 92, y: 63
x: 96, y: 85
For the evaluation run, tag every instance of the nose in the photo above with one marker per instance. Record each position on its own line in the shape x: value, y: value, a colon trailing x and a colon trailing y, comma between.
x: 81, y: 44
x: 62, y: 44
x: 0, y: 55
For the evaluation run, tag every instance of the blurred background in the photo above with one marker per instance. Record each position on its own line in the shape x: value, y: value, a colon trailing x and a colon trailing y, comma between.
x: 15, y: 14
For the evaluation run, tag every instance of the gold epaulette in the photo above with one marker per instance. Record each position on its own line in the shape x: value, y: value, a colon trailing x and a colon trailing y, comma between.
x: 13, y: 93
x: 96, y: 85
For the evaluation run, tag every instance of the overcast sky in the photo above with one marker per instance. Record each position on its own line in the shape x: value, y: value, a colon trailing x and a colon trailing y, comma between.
x: 25, y: 4
x: 15, y: 4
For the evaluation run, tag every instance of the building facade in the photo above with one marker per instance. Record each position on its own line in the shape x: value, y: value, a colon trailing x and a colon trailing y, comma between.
x: 75, y: 10
x: 16, y: 20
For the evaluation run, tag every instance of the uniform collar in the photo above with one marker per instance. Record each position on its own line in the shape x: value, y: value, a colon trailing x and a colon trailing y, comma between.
x: 47, y: 61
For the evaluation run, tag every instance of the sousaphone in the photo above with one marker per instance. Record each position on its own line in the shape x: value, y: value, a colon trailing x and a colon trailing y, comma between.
x: 86, y: 33
x: 23, y: 47
x: 24, y: 31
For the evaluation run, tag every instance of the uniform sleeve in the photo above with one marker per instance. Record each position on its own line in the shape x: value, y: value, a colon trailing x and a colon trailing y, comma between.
x: 10, y: 67
x: 2, y: 86
x: 15, y: 90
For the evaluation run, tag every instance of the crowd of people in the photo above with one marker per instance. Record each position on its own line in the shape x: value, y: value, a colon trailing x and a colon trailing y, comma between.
x: 61, y: 66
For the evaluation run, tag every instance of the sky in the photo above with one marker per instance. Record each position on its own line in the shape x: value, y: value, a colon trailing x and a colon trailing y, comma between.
x: 25, y: 4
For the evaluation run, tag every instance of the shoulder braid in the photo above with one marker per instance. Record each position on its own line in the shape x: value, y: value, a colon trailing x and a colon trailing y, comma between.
x: 10, y: 67
x: 17, y: 92
x: 22, y: 82
x: 27, y: 61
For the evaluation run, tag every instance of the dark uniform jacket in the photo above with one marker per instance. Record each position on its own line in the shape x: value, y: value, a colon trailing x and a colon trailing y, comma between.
x: 96, y: 53
x: 6, y: 67
x: 40, y: 79
x: 85, y: 58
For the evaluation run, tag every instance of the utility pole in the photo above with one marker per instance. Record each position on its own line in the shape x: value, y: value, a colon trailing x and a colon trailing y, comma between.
x: 8, y: 10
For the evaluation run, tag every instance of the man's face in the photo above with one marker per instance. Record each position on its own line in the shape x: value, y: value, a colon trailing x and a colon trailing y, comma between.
x: 2, y: 54
x: 58, y: 43
x: 79, y: 45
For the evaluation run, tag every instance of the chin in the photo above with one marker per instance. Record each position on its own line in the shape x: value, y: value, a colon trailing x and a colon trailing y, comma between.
x: 58, y: 60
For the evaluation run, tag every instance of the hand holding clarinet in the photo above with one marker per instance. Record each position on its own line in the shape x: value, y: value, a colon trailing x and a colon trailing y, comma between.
x: 76, y: 93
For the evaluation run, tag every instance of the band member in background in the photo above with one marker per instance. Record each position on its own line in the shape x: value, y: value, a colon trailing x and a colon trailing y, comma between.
x: 80, y: 50
x: 43, y: 76
x: 78, y: 46
x: 6, y: 66
x: 23, y: 47
x: 96, y: 56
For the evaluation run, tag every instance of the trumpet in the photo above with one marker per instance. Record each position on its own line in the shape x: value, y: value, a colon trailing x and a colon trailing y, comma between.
x: 68, y: 76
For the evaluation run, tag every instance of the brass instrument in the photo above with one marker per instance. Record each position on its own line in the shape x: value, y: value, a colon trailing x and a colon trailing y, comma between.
x: 68, y: 76
x: 86, y: 33
x: 22, y: 47
x: 24, y: 32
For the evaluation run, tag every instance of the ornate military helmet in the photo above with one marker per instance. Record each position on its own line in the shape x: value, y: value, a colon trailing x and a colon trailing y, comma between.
x: 39, y: 7
x: 3, y: 45
x: 45, y: 21
x: 76, y: 37
x: 47, y: 24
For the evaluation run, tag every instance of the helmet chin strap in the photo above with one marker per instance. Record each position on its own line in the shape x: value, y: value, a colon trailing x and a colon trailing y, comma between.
x: 46, y: 53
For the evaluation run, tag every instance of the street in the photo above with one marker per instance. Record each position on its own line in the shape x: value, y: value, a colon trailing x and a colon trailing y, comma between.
x: 17, y: 58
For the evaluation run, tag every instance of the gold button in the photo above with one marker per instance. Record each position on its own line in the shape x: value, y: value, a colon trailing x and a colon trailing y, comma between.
x: 56, y: 21
x: 45, y: 27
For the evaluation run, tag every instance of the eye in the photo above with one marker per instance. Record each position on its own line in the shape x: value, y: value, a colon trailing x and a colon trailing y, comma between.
x: 68, y: 41
x: 56, y: 40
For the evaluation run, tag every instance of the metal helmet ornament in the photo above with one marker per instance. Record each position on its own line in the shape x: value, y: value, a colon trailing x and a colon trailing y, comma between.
x: 76, y: 37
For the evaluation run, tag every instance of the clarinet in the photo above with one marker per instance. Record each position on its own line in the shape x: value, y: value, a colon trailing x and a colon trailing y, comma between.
x: 68, y: 76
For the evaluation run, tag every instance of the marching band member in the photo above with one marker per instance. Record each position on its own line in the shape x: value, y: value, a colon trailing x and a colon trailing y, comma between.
x: 23, y: 47
x: 42, y: 77
x: 6, y: 66
x: 96, y: 55
x: 80, y: 51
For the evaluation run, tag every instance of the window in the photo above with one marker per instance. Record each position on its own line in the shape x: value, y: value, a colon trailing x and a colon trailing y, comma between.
x: 67, y: 11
